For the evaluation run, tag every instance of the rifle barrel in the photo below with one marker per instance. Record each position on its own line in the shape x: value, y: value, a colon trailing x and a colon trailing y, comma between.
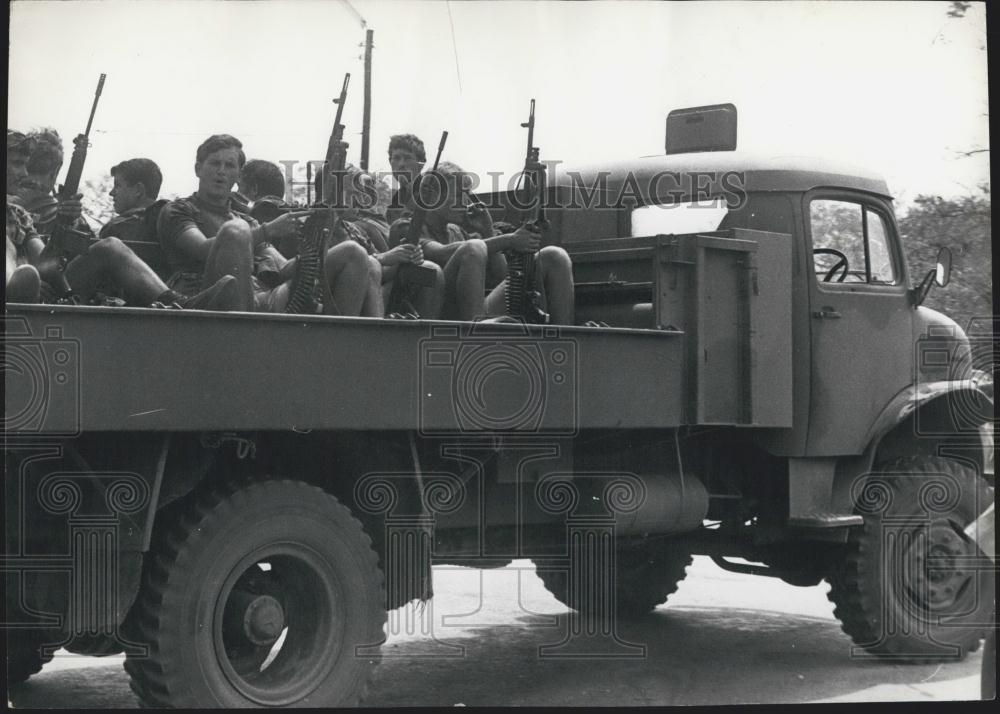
x: 93, y: 109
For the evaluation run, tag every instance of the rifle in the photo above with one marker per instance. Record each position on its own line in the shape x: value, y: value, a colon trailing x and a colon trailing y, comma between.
x: 64, y: 240
x: 309, y: 286
x: 520, y: 297
x: 411, y: 277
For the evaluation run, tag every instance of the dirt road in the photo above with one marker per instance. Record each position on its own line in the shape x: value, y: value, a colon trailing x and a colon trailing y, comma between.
x: 493, y: 637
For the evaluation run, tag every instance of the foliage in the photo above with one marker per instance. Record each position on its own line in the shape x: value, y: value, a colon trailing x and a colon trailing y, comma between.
x: 962, y: 224
x: 97, y: 202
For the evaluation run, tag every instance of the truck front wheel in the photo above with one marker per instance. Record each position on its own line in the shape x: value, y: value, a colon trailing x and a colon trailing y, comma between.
x: 645, y: 576
x: 907, y: 586
x: 266, y: 593
x: 24, y: 657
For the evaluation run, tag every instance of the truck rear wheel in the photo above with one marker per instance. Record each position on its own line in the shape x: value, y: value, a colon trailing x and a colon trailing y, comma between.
x: 258, y: 594
x: 903, y: 588
x: 646, y: 576
x: 23, y: 656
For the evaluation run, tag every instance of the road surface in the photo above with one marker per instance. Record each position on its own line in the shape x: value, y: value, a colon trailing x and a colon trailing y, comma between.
x: 492, y: 637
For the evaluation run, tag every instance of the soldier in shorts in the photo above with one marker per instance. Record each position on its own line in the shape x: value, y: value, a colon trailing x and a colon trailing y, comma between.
x: 460, y: 238
x: 207, y: 235
x: 108, y: 265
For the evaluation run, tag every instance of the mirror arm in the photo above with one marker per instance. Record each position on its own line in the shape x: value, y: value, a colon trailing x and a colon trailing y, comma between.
x: 920, y: 292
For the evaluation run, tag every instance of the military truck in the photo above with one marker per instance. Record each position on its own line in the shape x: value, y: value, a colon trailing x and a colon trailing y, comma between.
x: 236, y: 500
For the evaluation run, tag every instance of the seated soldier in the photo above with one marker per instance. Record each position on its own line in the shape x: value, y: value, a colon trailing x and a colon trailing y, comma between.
x: 207, y: 235
x: 363, y: 223
x: 134, y: 193
x: 106, y: 266
x: 459, y: 236
x: 261, y: 179
x: 406, y: 158
x: 21, y: 279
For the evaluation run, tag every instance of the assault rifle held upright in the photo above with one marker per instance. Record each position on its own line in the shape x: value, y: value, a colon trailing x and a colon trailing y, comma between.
x: 413, y: 276
x: 321, y: 225
x: 65, y: 241
x: 521, y: 298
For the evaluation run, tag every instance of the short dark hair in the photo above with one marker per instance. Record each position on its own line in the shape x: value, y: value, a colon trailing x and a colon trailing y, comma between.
x: 410, y: 142
x: 218, y: 142
x: 144, y: 171
x: 46, y: 151
x: 267, y: 177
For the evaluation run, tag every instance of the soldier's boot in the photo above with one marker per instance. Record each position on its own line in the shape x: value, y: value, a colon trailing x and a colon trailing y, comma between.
x: 222, y: 295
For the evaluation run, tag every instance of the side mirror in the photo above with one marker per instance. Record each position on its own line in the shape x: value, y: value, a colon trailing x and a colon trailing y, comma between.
x: 940, y: 276
x: 942, y: 273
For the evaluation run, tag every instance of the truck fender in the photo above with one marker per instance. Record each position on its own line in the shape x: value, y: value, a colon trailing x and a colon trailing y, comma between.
x: 923, y: 416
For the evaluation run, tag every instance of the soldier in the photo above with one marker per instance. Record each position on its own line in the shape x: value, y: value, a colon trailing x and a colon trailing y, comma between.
x: 460, y: 237
x: 363, y: 223
x: 108, y: 265
x: 407, y: 157
x: 208, y: 235
x: 261, y: 180
x: 135, y: 191
x: 20, y: 277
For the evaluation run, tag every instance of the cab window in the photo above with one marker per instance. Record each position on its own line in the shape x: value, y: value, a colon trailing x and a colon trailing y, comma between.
x: 850, y: 243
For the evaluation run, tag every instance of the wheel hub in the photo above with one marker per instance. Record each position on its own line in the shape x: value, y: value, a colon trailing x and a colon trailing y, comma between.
x: 938, y: 578
x: 254, y: 618
x: 264, y: 620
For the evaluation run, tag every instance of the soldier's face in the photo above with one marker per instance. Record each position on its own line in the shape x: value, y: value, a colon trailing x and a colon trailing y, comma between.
x: 37, y: 185
x: 17, y: 170
x: 125, y: 195
x: 218, y: 172
x: 404, y: 165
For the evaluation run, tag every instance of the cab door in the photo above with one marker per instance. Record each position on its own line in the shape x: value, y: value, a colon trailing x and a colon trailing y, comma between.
x: 860, y: 317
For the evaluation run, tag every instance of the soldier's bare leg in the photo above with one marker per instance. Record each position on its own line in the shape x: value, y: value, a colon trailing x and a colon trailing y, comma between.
x: 430, y: 299
x: 111, y: 261
x: 373, y: 306
x: 348, y: 273
x: 232, y: 254
x: 465, y: 281
x: 554, y: 283
x: 22, y: 283
x: 496, y: 269
x: 554, y: 280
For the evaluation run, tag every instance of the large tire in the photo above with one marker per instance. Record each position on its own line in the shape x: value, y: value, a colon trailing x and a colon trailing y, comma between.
x: 24, y: 657
x: 914, y: 509
x: 243, y: 567
x: 645, y: 577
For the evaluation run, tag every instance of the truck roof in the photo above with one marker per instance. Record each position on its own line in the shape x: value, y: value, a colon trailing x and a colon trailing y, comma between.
x: 761, y: 172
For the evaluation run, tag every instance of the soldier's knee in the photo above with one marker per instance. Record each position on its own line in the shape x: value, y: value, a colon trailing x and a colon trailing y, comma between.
x: 554, y: 258
x: 473, y: 251
x: 234, y: 233
x: 438, y: 272
x: 107, y: 247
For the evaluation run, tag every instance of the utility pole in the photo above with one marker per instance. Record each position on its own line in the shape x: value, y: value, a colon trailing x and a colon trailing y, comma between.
x: 367, y: 117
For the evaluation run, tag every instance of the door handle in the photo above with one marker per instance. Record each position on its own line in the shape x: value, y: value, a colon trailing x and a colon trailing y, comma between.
x: 827, y: 312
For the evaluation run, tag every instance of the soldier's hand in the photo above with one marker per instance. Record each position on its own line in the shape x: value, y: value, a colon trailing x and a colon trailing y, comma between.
x: 71, y: 209
x: 403, y: 253
x: 479, y: 219
x: 286, y: 225
x: 525, y: 240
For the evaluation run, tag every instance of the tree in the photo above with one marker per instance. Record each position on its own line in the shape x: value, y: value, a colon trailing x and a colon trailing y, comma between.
x: 962, y: 224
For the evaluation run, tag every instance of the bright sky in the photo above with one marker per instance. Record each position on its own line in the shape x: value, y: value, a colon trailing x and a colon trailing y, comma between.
x: 897, y: 86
